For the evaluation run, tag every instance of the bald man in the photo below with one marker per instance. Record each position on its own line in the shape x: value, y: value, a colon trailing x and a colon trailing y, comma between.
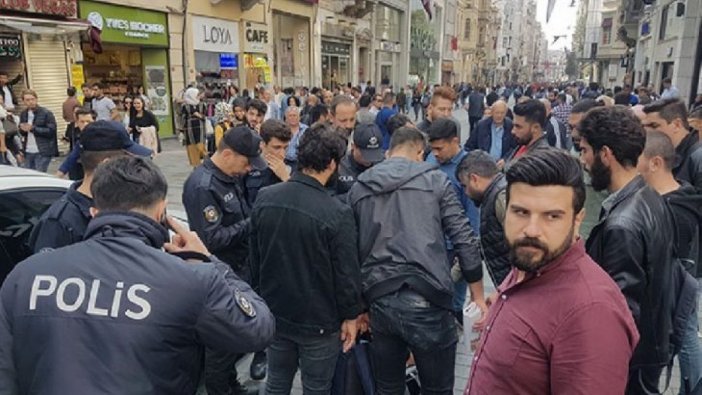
x: 556, y: 131
x: 494, y: 134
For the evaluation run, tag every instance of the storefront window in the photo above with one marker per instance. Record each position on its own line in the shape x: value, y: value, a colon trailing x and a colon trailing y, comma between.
x: 387, y: 23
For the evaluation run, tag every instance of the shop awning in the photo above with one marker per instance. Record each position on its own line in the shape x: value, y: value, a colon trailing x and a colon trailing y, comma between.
x: 44, y: 26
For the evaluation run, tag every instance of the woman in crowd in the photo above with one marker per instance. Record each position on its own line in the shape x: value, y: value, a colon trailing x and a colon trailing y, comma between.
x: 222, y: 118
x: 143, y: 125
x: 194, y: 121
x: 145, y: 99
x: 233, y: 94
x: 127, y: 114
x: 239, y: 109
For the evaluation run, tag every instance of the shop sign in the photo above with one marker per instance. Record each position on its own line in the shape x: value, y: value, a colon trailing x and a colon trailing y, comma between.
x: 228, y: 61
x: 215, y: 35
x: 126, y: 25
x: 67, y: 8
x: 389, y: 46
x: 256, y: 38
x: 10, y: 47
x: 334, y: 48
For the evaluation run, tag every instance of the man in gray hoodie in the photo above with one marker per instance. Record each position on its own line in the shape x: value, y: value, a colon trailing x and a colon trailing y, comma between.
x: 403, y: 207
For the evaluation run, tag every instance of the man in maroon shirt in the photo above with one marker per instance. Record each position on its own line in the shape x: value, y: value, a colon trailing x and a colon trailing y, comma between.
x: 559, y: 325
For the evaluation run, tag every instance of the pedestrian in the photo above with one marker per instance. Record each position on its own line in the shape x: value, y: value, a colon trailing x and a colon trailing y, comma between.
x: 486, y: 186
x: 476, y: 106
x: 222, y: 122
x: 144, y: 127
x: 527, y: 128
x: 685, y: 203
x: 297, y: 128
x: 65, y: 221
x: 402, y: 101
x: 366, y: 151
x: 556, y: 131
x: 406, y: 274
x: 310, y: 278
x: 105, y: 109
x: 439, y: 106
x: 215, y: 202
x: 38, y: 129
x: 194, y: 112
x: 71, y: 166
x: 6, y: 86
x: 376, y: 104
x: 446, y: 153
x: 272, y: 107
x: 669, y: 90
x: 388, y: 110
x: 123, y: 307
x: 633, y: 240
x: 416, y: 103
x: 276, y: 136
x: 87, y: 96
x: 364, y: 115
x: 255, y: 113
x: 582, y: 336
x: 239, y: 112
x: 69, y: 105
x: 695, y: 120
x: 128, y: 100
x: 343, y: 114
x: 493, y: 134
x: 311, y: 102
x: 670, y: 117
x: 141, y: 93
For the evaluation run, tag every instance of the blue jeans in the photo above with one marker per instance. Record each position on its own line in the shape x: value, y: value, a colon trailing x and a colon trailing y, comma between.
x: 37, y: 162
x: 315, y: 355
x: 690, y: 356
x: 404, y: 322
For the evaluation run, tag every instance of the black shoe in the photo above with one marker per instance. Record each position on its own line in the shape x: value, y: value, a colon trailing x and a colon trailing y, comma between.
x: 239, y: 388
x: 258, y: 366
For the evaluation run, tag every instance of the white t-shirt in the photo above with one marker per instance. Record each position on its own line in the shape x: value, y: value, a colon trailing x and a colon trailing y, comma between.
x: 32, y: 147
x: 103, y: 108
x: 7, y: 95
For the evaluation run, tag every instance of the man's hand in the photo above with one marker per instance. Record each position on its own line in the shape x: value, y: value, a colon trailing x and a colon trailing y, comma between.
x: 60, y: 174
x: 278, y: 166
x: 479, y: 324
x: 363, y: 323
x: 500, y: 164
x: 184, y: 240
x: 25, y: 127
x: 349, y: 329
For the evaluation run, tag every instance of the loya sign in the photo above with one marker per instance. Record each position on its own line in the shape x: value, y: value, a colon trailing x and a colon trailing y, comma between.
x: 215, y: 35
x: 256, y: 38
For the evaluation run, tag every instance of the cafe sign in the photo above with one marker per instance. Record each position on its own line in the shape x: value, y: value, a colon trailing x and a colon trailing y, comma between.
x: 65, y: 8
x: 10, y: 47
x: 126, y: 25
x: 256, y: 38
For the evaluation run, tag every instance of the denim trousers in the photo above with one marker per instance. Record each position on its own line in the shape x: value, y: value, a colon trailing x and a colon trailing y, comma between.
x: 690, y: 356
x: 404, y: 322
x: 37, y: 162
x: 315, y: 356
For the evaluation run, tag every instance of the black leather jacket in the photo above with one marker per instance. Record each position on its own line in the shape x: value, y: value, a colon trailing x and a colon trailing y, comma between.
x: 633, y: 242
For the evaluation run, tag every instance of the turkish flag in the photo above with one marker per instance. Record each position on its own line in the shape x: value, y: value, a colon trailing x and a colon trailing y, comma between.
x: 427, y: 7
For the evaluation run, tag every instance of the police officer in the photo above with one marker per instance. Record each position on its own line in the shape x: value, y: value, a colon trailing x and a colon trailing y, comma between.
x: 65, y: 221
x: 117, y: 314
x: 366, y: 151
x: 215, y: 202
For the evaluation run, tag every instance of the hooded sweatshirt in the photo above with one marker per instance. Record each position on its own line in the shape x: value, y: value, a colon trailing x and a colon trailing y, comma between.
x: 403, y: 209
x: 685, y: 203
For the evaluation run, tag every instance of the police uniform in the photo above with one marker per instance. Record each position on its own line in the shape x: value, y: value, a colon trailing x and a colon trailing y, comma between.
x: 369, y: 140
x: 256, y: 180
x: 116, y: 314
x: 65, y: 221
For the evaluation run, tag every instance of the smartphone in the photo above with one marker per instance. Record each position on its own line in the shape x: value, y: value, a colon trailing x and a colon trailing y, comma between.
x: 164, y: 221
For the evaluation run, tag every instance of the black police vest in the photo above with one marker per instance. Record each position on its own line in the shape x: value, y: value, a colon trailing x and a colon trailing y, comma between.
x: 492, y: 234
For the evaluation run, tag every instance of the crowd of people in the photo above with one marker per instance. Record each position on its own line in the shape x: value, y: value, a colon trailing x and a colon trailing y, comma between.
x: 333, y: 234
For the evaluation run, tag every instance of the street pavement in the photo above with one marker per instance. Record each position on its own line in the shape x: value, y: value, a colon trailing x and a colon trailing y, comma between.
x: 174, y: 164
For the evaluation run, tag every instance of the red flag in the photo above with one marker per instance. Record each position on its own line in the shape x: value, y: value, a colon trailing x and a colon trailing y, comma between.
x: 427, y: 7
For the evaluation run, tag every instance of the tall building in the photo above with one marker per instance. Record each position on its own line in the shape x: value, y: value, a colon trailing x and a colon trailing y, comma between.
x: 426, y: 42
x: 468, y: 39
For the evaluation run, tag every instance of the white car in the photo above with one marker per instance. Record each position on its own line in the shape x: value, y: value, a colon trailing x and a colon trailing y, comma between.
x: 24, y: 196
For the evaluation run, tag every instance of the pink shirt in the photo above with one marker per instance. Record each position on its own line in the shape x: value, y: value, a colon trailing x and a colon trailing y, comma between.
x: 564, y: 330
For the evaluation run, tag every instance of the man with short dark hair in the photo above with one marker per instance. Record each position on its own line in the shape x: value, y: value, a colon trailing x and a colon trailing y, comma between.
x: 556, y: 131
x: 103, y: 106
x: 6, y: 86
x: 38, y: 128
x: 343, y: 113
x: 389, y: 109
x: 476, y: 107
x: 310, y: 278
x: 527, y: 129
x: 669, y: 90
x: 276, y: 138
x: 562, y: 109
x: 133, y: 318
x: 559, y: 324
x: 633, y: 239
x: 217, y: 209
x: 482, y: 181
x: 70, y: 105
x: 364, y: 115
x: 406, y: 274
x: 670, y: 117
x: 255, y: 112
x: 65, y: 221
x: 685, y: 203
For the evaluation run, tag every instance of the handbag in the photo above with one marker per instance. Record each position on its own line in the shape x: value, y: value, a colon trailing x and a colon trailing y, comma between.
x: 196, y: 151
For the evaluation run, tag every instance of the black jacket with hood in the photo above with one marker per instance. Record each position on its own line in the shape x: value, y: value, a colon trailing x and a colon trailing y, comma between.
x: 403, y: 209
x: 685, y: 204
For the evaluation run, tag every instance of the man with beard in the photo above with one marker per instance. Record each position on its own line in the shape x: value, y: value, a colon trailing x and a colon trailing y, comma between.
x: 343, y: 114
x: 527, y: 128
x: 559, y: 324
x: 633, y: 239
x: 255, y: 112
x: 479, y: 174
